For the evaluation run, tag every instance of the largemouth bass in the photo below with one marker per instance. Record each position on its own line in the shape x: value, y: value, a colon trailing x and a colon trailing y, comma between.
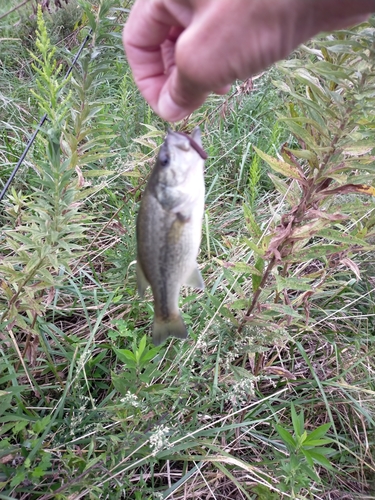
x: 169, y: 226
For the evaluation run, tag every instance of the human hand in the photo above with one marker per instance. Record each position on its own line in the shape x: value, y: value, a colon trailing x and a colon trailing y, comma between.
x: 181, y: 50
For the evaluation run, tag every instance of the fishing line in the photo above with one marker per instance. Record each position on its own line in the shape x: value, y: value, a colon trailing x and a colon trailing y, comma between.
x: 41, y: 123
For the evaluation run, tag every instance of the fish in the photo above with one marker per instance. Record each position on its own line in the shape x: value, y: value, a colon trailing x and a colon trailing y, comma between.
x: 168, y: 229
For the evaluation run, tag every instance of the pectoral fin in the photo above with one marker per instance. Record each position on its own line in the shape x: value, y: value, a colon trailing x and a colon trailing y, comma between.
x: 195, y: 279
x: 142, y: 282
x: 183, y: 211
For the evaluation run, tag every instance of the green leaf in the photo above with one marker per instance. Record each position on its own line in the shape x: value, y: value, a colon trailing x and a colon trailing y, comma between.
x: 38, y: 472
x: 325, y: 450
x: 320, y: 431
x: 314, y: 252
x: 141, y: 348
x: 317, y: 442
x: 28, y: 242
x: 254, y: 247
x: 125, y: 355
x: 359, y: 148
x: 286, y: 437
x: 239, y: 304
x: 344, y: 47
x: 317, y: 435
x: 19, y: 426
x: 306, y: 77
x: 279, y: 184
x: 283, y: 309
x: 40, y: 425
x: 302, y: 437
x: 331, y: 71
x: 242, y: 267
x: 301, y: 284
x: 99, y: 173
x: 309, y: 121
x: 305, y: 154
x: 148, y: 355
x: 291, y: 191
x: 320, y: 459
x: 131, y: 173
x: 124, y: 382
x: 18, y: 478
x: 298, y: 421
x: 301, y: 133
x: 279, y: 166
x: 251, y: 223
x: 308, y: 457
x: 282, y: 86
x: 91, y: 19
x: 333, y: 234
x: 241, y: 373
x: 256, y: 278
x: 227, y: 313
x: 306, y: 470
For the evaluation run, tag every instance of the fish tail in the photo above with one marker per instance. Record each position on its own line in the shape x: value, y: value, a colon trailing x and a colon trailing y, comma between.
x: 173, y: 327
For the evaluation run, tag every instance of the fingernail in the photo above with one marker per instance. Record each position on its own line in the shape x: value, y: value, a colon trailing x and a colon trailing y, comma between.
x: 169, y: 110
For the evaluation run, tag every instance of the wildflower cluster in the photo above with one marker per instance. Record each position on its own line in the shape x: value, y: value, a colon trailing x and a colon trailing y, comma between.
x: 131, y: 399
x: 159, y: 439
x: 242, y: 391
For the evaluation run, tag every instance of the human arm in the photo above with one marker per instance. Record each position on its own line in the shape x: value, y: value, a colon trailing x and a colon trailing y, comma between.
x: 181, y: 50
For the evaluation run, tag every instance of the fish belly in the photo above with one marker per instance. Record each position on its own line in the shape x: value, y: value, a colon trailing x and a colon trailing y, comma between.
x: 167, y: 250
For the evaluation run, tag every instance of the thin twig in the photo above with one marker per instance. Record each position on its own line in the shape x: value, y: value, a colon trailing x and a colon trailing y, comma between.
x: 14, y: 8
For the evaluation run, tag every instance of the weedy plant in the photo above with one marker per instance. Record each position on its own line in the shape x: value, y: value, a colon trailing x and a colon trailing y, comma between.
x: 328, y: 158
x: 46, y: 222
x: 305, y: 449
x: 45, y: 238
x: 297, y: 260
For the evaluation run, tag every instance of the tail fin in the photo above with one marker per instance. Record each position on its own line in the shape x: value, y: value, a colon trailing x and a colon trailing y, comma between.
x: 162, y: 329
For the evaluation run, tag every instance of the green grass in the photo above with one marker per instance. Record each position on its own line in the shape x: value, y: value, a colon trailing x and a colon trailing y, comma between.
x: 223, y: 414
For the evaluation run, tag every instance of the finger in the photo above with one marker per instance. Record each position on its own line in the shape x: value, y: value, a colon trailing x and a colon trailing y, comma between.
x: 192, y: 77
x: 148, y: 26
x: 179, y: 97
x: 173, y: 110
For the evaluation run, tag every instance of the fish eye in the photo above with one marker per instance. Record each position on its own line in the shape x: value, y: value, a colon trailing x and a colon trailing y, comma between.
x: 164, y: 158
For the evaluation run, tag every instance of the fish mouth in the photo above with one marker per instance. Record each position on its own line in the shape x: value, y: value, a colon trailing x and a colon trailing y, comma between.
x: 185, y: 141
x: 177, y: 139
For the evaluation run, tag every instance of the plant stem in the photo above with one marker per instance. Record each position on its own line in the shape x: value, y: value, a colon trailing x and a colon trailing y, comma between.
x: 257, y: 293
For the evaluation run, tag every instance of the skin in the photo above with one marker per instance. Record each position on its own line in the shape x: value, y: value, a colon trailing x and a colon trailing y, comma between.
x: 181, y: 50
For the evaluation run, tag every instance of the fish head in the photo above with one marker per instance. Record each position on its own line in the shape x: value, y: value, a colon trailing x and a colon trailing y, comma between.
x: 177, y: 157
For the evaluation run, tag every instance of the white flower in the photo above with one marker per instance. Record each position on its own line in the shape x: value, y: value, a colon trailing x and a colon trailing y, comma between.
x: 242, y: 391
x: 131, y: 399
x: 159, y: 440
